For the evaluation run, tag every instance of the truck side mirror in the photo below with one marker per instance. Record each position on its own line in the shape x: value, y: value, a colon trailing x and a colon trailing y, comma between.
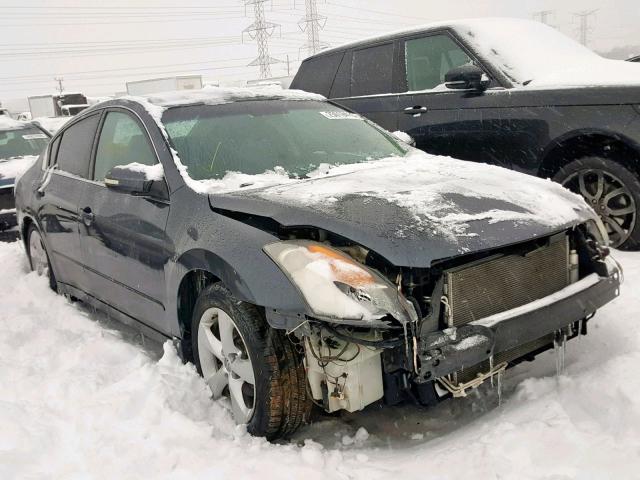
x: 467, y: 77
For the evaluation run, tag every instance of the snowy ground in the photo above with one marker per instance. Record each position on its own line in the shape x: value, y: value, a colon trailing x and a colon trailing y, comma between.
x: 80, y: 397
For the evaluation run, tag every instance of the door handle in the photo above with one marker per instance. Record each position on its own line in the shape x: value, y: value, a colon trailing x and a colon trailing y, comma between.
x: 87, y: 216
x: 415, y: 110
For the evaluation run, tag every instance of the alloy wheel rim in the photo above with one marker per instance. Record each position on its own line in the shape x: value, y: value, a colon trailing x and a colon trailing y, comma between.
x: 610, y: 198
x: 225, y: 362
x: 39, y: 262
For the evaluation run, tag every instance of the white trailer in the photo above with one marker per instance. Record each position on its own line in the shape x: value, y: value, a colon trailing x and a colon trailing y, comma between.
x: 42, y: 106
x: 167, y: 84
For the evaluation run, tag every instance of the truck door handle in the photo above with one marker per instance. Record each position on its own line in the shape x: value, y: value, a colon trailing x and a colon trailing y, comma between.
x: 415, y: 110
x: 87, y: 216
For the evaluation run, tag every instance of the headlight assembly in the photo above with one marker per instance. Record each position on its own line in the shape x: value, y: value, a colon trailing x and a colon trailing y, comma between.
x: 336, y: 287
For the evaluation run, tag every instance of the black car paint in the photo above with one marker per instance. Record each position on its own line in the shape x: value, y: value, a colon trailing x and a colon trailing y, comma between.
x: 131, y: 255
x: 524, y: 129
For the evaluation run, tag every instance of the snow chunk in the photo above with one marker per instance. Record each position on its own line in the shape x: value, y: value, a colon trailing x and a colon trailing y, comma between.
x: 403, y: 137
x: 151, y: 172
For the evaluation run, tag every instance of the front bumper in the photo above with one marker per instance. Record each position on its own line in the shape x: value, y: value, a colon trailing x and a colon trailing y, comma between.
x: 444, y: 352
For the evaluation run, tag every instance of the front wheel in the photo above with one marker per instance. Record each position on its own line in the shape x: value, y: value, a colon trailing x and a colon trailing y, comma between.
x: 612, y: 191
x: 257, y: 367
x: 38, y: 257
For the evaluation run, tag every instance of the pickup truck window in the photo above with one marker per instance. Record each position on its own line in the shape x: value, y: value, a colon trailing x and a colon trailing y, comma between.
x: 428, y: 59
x: 372, y: 70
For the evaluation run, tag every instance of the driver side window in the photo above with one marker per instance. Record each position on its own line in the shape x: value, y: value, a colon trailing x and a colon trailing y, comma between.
x: 122, y: 141
x: 428, y: 59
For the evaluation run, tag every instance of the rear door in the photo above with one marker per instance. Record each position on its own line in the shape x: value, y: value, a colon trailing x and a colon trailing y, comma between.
x: 124, y: 244
x: 366, y: 81
x: 59, y: 214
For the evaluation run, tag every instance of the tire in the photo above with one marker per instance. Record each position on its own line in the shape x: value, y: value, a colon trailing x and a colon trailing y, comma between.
x: 598, y: 179
x: 38, y: 256
x: 279, y: 404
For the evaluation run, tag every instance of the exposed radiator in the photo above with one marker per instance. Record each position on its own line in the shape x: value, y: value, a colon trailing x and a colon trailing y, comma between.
x: 501, y: 283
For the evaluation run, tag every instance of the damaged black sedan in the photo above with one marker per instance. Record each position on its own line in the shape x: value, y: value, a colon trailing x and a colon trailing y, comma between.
x: 299, y: 254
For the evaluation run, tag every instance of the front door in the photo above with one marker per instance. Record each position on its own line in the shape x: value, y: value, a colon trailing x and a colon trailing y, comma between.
x: 457, y: 123
x: 124, y: 245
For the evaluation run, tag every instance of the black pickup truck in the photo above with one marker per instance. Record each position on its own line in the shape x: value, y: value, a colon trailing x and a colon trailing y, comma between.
x: 515, y: 93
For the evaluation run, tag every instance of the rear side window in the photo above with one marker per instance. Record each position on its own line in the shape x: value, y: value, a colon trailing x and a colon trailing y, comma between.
x: 428, y: 59
x: 316, y: 74
x: 372, y: 70
x: 342, y: 83
x: 122, y: 141
x: 74, y: 152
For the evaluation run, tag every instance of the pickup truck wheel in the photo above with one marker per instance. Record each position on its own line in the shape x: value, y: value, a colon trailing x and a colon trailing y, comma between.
x: 612, y: 191
x: 240, y: 356
x: 38, y: 257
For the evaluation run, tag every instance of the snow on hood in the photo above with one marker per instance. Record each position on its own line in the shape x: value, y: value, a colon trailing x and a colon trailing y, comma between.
x: 14, y: 168
x: 442, y: 194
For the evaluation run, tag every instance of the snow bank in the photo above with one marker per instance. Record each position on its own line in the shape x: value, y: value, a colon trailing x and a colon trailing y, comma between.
x: 82, y: 400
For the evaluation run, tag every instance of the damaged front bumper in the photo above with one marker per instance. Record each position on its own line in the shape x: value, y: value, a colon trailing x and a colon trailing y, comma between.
x: 444, y: 352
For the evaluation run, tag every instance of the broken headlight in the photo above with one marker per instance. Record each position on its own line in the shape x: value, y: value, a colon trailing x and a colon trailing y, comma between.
x: 336, y: 287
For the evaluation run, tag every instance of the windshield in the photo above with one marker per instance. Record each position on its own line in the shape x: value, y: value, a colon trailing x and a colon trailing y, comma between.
x: 255, y: 136
x: 21, y: 142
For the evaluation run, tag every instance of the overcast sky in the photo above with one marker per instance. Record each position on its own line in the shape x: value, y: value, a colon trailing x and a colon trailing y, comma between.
x: 96, y: 46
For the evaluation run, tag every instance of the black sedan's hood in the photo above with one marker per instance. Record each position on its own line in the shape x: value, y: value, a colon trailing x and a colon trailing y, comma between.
x: 417, y: 209
x: 13, y: 168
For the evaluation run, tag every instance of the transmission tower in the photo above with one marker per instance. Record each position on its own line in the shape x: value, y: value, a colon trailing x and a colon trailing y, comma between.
x: 260, y: 31
x: 543, y: 16
x: 312, y: 23
x: 585, y: 29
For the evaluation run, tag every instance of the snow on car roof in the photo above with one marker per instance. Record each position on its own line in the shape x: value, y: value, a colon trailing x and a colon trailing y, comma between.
x: 218, y: 95
x: 8, y: 123
x: 528, y: 53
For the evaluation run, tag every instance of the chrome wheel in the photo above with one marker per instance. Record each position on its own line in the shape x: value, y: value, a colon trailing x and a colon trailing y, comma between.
x: 225, y: 362
x: 37, y: 254
x: 610, y: 198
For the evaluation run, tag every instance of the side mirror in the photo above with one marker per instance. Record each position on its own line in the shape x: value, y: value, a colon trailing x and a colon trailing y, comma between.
x: 124, y: 180
x: 467, y: 77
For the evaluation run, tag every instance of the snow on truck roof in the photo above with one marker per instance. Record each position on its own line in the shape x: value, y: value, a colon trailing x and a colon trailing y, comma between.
x: 527, y: 52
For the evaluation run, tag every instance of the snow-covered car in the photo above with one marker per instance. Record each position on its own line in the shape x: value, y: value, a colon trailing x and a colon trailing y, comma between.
x: 511, y: 92
x: 296, y: 251
x: 20, y: 145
